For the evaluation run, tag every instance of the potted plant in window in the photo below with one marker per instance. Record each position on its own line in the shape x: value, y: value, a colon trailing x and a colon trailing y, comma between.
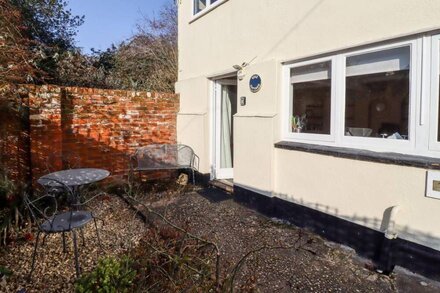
x: 298, y: 122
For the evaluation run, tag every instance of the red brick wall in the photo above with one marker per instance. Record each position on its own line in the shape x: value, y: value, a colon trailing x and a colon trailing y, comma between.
x: 45, y: 127
x: 100, y: 127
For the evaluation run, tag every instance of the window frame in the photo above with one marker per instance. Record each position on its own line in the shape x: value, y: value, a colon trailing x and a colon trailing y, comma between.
x: 337, y: 135
x: 434, y: 114
x: 287, y: 128
x: 373, y: 142
x: 209, y: 7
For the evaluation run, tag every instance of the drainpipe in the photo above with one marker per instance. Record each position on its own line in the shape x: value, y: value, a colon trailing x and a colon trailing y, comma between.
x: 390, y: 232
x: 386, y: 257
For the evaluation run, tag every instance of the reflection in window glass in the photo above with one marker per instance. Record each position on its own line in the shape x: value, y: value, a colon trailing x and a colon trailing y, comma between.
x: 228, y: 110
x: 199, y: 5
x: 311, y: 98
x: 377, y: 94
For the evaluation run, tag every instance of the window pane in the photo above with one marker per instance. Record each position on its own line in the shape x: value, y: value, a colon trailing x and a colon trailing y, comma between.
x: 311, y: 98
x: 199, y: 5
x: 377, y: 94
x: 438, y: 110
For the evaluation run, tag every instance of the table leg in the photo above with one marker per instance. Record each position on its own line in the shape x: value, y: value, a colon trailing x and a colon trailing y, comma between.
x: 75, y: 249
x: 82, y: 237
x: 34, y: 254
x: 64, y: 242
x: 76, y: 194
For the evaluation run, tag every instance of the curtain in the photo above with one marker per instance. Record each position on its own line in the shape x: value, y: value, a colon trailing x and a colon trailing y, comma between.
x: 226, y: 128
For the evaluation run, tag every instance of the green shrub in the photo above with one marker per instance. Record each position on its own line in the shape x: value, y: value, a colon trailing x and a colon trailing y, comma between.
x: 110, y: 275
x: 7, y: 191
x: 4, y: 271
x: 10, y: 205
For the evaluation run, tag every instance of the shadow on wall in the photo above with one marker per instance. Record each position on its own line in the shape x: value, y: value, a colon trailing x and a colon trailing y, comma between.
x: 14, y: 140
x: 294, y: 27
x: 380, y: 225
x: 352, y: 231
x: 102, y: 128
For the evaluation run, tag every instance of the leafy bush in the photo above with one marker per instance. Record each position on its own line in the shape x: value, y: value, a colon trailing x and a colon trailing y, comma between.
x: 10, y: 203
x: 7, y: 188
x: 110, y: 275
x: 4, y: 271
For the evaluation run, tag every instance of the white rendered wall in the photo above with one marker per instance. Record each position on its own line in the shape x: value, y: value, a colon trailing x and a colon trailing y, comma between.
x: 269, y: 32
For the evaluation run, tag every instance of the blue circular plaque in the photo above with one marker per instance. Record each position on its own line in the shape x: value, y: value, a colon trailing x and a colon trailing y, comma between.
x: 255, y: 83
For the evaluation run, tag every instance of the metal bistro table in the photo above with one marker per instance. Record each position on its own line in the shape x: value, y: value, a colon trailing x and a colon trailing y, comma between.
x: 74, y: 179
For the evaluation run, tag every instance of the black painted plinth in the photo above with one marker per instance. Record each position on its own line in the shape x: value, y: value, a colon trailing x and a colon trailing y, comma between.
x: 367, y: 242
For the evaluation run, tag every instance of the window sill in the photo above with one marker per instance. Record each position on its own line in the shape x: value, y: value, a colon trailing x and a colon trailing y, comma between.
x: 363, y: 155
x: 207, y: 10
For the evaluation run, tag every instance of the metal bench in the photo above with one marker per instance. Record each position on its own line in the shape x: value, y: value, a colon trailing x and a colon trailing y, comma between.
x: 164, y: 157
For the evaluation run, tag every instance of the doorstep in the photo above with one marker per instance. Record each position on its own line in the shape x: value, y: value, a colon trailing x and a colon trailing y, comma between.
x: 223, y: 184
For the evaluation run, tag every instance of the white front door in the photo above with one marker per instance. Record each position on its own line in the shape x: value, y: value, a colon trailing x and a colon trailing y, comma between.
x: 225, y: 106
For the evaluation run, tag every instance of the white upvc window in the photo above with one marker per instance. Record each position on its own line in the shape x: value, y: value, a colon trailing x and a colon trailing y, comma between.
x: 200, y: 6
x: 367, y: 99
x: 311, y: 94
x: 379, y: 94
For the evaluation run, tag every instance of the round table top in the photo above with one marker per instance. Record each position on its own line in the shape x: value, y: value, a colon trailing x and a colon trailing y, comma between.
x: 74, y: 177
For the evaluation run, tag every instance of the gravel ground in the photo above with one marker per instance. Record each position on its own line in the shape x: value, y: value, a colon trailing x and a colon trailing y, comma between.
x: 286, y: 258
x: 55, y: 270
x: 318, y: 266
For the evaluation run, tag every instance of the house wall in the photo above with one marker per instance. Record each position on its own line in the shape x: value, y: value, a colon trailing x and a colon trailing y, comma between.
x: 266, y: 33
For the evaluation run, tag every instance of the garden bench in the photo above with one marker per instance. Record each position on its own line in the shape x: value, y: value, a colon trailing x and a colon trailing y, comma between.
x: 164, y: 157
